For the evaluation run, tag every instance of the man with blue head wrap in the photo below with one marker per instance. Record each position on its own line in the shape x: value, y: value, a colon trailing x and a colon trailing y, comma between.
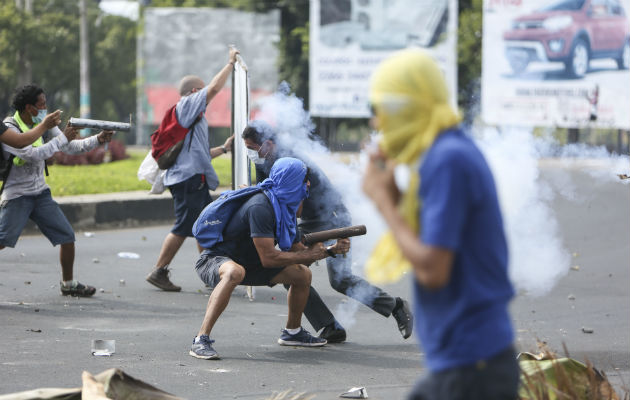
x: 324, y: 209
x: 245, y: 250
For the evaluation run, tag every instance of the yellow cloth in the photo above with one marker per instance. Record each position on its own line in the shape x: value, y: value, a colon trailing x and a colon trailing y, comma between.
x: 410, y: 98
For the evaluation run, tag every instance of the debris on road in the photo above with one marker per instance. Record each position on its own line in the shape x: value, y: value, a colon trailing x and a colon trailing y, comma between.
x: 575, y: 267
x: 587, y: 330
x: 355, y: 393
x: 129, y: 255
x: 88, y: 234
x: 96, y: 260
x: 571, y: 297
x: 103, y: 347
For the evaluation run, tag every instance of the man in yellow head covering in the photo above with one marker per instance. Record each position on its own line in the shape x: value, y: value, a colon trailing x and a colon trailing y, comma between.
x: 447, y: 227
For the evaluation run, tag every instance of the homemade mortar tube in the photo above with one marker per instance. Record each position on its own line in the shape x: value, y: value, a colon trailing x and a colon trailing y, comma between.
x: 339, y: 233
x: 100, y: 125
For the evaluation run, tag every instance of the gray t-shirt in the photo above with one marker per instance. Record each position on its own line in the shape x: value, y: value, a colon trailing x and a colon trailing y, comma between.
x: 195, y: 157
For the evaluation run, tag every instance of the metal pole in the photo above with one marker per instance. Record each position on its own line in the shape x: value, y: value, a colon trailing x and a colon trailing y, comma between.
x: 84, y: 98
x: 25, y: 70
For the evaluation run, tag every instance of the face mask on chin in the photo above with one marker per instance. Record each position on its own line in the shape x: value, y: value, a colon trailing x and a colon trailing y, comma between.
x: 254, y: 157
x: 41, y: 114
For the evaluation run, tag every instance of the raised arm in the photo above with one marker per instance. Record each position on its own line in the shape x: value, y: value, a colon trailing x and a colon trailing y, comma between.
x: 432, y: 265
x: 219, y: 79
x: 19, y: 140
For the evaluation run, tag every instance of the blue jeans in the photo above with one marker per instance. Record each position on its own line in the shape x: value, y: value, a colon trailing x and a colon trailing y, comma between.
x: 43, y: 210
x: 341, y: 277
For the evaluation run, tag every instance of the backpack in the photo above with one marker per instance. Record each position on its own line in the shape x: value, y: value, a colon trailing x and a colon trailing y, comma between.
x: 5, y: 167
x: 7, y: 163
x: 167, y: 141
x: 208, y: 228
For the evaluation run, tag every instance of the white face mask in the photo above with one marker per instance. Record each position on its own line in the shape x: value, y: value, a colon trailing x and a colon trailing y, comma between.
x: 256, y: 159
x: 41, y: 114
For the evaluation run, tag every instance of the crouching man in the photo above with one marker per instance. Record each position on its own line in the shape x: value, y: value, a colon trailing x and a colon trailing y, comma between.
x: 240, y: 249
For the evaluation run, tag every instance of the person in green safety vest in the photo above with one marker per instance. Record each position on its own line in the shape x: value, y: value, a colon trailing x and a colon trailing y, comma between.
x: 26, y: 195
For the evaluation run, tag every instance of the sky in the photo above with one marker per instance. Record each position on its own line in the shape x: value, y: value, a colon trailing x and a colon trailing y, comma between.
x: 123, y: 8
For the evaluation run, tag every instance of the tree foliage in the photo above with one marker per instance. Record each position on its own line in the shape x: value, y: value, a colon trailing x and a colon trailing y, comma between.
x: 50, y: 39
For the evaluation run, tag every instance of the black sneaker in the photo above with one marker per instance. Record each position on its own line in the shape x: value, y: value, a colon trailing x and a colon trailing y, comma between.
x: 77, y: 289
x: 302, y: 338
x: 403, y: 317
x: 203, y: 349
x: 333, y: 333
x: 159, y: 278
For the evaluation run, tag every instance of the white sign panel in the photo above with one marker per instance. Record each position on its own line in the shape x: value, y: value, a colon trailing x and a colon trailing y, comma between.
x: 349, y: 38
x: 556, y: 63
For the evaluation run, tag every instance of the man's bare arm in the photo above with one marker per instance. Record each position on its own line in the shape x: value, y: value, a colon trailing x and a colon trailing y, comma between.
x: 18, y: 140
x: 299, y: 254
x: 219, y: 79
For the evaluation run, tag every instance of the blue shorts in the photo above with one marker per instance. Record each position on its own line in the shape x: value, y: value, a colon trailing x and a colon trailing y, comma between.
x: 43, y: 210
x: 190, y: 197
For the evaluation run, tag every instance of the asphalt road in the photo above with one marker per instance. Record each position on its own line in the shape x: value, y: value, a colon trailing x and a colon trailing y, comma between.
x: 47, y: 337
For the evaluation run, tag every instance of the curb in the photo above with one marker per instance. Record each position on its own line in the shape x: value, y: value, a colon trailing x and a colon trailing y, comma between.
x: 116, y: 210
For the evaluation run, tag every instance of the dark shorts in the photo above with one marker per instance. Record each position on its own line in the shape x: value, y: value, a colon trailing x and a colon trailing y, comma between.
x: 208, y: 265
x: 494, y: 379
x: 190, y: 197
x: 43, y: 210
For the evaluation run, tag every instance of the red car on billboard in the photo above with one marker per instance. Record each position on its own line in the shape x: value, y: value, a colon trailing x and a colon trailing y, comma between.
x: 573, y: 32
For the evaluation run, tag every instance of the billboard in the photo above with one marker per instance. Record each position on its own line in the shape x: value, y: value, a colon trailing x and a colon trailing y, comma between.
x: 349, y: 38
x: 557, y: 63
x: 184, y: 41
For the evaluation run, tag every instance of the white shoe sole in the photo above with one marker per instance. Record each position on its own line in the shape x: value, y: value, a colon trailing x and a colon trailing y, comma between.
x: 299, y: 344
x: 214, y: 357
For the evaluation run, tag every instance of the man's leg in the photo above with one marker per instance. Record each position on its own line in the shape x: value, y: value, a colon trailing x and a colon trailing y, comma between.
x: 230, y: 275
x: 66, y: 258
x: 14, y: 215
x: 159, y: 277
x: 171, y: 245
x: 55, y: 226
x: 316, y: 311
x: 344, y: 281
x: 299, y: 278
x: 189, y: 199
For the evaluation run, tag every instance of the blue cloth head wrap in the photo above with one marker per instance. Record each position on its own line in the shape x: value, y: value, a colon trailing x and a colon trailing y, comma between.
x: 286, y: 188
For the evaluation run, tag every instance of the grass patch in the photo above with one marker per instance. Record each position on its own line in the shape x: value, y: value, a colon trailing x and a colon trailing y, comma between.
x: 119, y: 176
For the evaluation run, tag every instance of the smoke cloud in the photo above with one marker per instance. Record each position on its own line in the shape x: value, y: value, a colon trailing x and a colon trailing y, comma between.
x: 538, y: 257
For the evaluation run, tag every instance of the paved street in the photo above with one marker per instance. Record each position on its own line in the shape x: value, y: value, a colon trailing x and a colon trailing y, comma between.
x: 46, y: 337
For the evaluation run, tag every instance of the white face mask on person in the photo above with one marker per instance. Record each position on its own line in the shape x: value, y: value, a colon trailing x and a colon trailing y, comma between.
x: 41, y: 114
x: 254, y: 157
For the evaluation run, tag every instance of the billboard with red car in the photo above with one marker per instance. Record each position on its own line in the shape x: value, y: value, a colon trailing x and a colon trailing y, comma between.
x: 557, y: 62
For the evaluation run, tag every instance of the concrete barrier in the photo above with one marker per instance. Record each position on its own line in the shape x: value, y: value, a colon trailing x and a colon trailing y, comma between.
x: 116, y: 210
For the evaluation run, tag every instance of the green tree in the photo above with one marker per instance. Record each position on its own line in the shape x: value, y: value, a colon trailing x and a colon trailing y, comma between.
x: 469, y: 34
x: 50, y: 38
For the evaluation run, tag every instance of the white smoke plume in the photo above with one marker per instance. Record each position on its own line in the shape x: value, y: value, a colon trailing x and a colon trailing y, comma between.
x: 538, y: 258
x: 294, y: 128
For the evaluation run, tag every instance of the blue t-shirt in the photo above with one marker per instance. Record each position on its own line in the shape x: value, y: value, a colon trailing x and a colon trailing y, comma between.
x: 467, y: 320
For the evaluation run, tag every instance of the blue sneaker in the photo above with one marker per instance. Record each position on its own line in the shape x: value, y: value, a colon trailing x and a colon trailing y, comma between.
x: 203, y: 349
x: 302, y: 338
